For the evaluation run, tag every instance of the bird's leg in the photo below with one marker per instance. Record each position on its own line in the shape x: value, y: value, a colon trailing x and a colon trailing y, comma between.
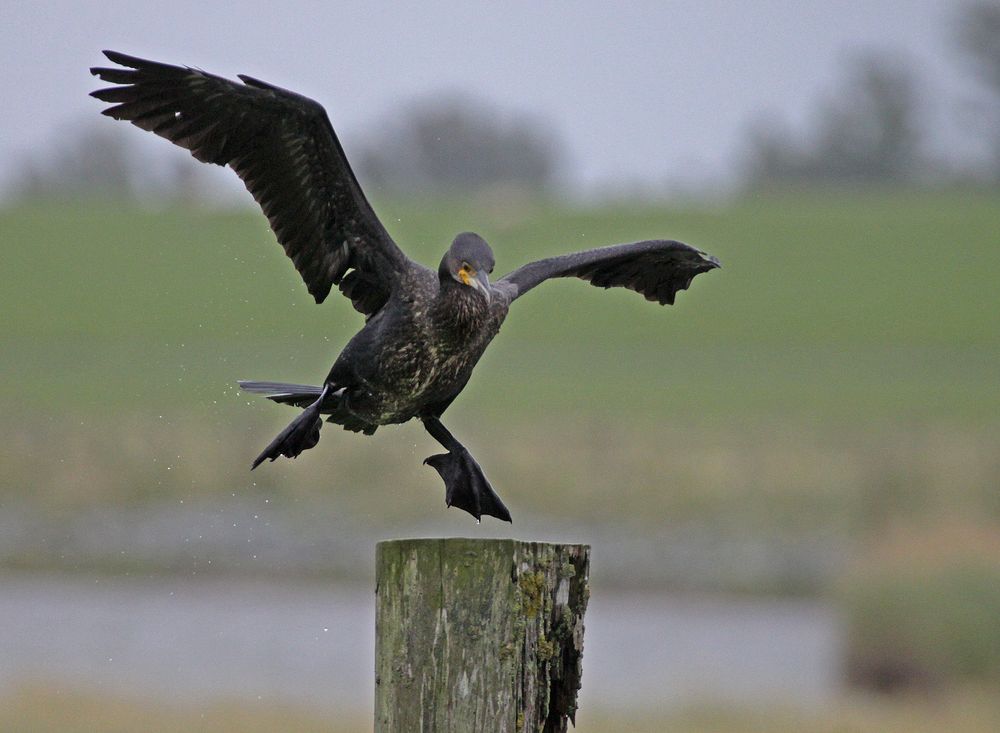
x: 466, y: 486
x: 301, y: 434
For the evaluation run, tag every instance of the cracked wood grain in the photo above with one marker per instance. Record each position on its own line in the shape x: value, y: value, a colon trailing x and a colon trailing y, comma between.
x: 478, y: 635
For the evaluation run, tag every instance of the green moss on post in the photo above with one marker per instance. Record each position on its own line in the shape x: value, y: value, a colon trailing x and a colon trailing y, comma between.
x: 478, y: 635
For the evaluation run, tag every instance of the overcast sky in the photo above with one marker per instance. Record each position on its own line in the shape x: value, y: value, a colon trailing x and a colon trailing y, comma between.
x: 641, y: 92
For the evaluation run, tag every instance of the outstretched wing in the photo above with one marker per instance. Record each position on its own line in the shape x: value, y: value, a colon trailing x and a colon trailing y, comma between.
x: 657, y: 269
x: 283, y: 147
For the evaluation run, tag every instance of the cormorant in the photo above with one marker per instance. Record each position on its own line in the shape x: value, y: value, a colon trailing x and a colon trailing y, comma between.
x: 424, y: 330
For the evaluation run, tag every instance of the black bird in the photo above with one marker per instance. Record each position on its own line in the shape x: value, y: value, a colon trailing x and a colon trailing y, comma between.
x: 424, y: 331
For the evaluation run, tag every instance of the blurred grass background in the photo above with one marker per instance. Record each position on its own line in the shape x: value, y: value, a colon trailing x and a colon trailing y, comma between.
x: 832, y: 392
x: 841, y: 369
x: 839, y: 306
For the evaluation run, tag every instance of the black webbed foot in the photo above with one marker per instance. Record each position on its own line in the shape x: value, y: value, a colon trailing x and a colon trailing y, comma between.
x: 466, y: 486
x: 301, y: 434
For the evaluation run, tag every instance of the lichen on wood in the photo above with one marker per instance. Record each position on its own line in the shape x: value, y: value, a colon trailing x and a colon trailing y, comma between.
x: 478, y: 635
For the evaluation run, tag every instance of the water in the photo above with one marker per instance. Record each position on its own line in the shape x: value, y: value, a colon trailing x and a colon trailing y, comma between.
x: 182, y: 640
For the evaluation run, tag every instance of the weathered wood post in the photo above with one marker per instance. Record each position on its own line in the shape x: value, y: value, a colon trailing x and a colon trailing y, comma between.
x: 478, y: 635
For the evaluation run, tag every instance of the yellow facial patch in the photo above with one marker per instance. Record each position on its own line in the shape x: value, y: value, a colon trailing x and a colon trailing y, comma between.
x: 466, y: 274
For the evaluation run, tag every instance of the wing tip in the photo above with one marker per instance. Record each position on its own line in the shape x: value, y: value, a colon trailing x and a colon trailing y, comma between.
x: 117, y: 57
x: 134, y: 64
x: 252, y: 82
x: 122, y: 58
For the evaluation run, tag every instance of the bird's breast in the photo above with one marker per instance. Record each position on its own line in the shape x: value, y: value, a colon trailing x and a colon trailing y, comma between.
x: 423, y: 357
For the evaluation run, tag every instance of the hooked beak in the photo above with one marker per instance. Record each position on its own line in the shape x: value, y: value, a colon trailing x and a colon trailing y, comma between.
x: 481, y: 282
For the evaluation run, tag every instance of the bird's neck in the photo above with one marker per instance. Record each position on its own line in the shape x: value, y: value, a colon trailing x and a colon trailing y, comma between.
x: 460, y: 310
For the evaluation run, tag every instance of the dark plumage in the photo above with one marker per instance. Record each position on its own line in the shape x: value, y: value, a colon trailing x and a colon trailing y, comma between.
x: 424, y: 331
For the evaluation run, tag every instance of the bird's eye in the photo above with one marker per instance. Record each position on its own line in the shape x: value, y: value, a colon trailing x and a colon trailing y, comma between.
x: 465, y: 266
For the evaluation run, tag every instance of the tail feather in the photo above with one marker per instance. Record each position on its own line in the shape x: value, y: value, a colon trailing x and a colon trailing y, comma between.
x: 278, y: 387
x: 301, y: 434
x: 300, y: 395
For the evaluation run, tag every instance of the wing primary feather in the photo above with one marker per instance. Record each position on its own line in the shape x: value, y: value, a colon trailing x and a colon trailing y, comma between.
x: 656, y: 269
x: 282, y: 146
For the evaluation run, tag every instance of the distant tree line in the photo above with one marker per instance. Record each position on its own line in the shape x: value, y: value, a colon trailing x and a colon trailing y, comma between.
x: 93, y: 160
x: 869, y: 131
x: 450, y: 143
x: 979, y: 39
x: 97, y: 159
x: 866, y: 133
x: 437, y: 145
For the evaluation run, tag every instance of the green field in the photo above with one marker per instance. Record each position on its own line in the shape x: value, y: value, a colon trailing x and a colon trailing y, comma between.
x: 839, y: 306
x: 847, y: 355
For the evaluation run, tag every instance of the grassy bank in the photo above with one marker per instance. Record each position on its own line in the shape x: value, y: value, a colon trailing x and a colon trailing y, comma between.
x: 47, y: 709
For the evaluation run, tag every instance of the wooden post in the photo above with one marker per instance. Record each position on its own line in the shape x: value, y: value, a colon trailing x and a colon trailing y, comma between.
x: 478, y: 635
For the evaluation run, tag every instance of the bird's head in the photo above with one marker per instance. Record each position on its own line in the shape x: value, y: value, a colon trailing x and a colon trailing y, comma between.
x: 469, y: 261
